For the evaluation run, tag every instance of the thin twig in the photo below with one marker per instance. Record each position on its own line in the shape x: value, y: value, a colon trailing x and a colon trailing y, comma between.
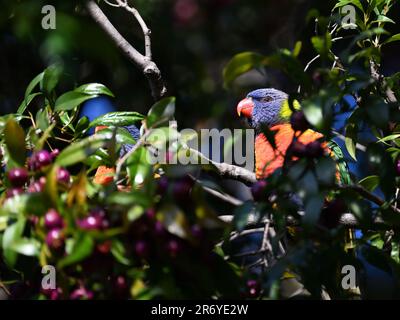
x: 223, y: 196
x: 146, y: 31
x: 143, y: 62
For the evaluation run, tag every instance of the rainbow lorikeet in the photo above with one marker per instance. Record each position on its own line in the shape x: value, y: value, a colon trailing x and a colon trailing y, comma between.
x: 270, y: 108
x: 105, y: 175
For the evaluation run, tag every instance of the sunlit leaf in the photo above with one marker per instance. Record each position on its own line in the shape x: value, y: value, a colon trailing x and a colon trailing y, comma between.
x: 240, y: 64
x: 94, y: 89
x: 161, y: 112
x: 81, y: 249
x: 117, y: 119
x: 15, y: 140
x: 71, y: 100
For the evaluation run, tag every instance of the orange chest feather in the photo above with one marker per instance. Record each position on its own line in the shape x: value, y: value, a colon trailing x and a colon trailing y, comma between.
x: 269, y: 159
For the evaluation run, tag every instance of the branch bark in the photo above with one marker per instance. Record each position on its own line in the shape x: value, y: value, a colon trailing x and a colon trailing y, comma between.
x: 228, y: 170
x: 380, y: 80
x: 143, y: 62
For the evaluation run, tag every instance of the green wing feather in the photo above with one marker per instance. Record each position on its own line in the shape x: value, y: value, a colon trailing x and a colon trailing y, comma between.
x: 341, y: 164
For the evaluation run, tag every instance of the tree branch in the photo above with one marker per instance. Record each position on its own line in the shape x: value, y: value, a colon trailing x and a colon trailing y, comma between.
x: 143, y: 62
x: 380, y: 79
x: 228, y: 170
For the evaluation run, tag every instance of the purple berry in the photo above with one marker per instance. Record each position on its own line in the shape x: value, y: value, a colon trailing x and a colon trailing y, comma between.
x: 53, y: 220
x: 398, y: 167
x: 314, y: 149
x: 162, y: 185
x: 63, y: 176
x: 251, y: 283
x: 182, y: 189
x: 53, y: 294
x: 54, y: 154
x: 104, y: 247
x: 55, y: 239
x: 299, y: 121
x: 34, y: 220
x: 42, y: 158
x: 159, y: 229
x: 258, y: 190
x: 120, y: 286
x: 142, y: 249
x: 96, y: 220
x: 253, y: 288
x: 331, y: 214
x: 317, y: 78
x: 151, y: 213
x: 81, y: 293
x: 197, y: 231
x: 174, y: 248
x: 298, y: 149
x: 14, y: 192
x: 37, y: 186
x: 90, y: 223
x: 18, y: 177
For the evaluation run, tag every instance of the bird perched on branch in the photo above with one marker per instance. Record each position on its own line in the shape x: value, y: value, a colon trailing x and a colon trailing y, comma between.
x: 283, y: 133
x: 269, y: 109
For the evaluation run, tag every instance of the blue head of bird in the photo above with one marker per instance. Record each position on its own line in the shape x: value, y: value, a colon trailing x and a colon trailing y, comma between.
x: 265, y: 107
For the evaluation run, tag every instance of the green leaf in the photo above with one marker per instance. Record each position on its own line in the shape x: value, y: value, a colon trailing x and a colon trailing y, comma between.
x: 325, y: 170
x: 383, y: 19
x: 28, y: 99
x: 27, y: 203
x: 14, y: 137
x: 313, y: 113
x: 79, y: 151
x: 119, y: 253
x: 322, y: 44
x: 81, y: 126
x: 32, y: 85
x: 312, y: 208
x: 128, y: 199
x: 94, y: 89
x: 161, y: 112
x: 389, y: 138
x: 11, y: 236
x: 117, y: 119
x: 26, y: 247
x: 370, y: 183
x: 351, y: 139
x: 50, y: 78
x: 81, y: 249
x: 122, y: 135
x: 297, y: 48
x: 174, y: 220
x: 343, y: 3
x: 394, y: 38
x: 70, y: 100
x: 240, y: 64
x: 139, y: 166
x: 241, y: 215
x: 378, y: 111
x: 42, y: 119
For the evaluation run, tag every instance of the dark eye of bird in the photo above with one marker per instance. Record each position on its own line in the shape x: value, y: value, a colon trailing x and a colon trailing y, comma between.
x: 266, y: 99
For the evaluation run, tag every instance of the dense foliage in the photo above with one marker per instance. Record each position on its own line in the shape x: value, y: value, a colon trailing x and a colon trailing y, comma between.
x: 154, y: 231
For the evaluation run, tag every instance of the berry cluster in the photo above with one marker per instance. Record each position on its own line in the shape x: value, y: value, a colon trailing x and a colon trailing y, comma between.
x: 21, y: 180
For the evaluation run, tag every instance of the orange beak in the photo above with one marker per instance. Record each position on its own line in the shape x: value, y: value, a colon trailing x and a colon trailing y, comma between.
x: 245, y: 108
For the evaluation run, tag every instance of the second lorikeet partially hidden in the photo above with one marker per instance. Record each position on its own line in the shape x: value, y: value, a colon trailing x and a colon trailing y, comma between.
x: 269, y: 108
x: 105, y: 175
